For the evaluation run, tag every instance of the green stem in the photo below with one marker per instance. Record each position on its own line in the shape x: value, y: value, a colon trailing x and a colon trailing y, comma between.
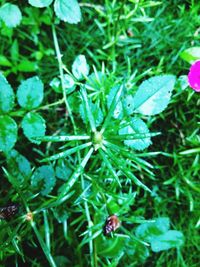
x: 60, y: 66
x: 50, y: 105
x: 90, y: 223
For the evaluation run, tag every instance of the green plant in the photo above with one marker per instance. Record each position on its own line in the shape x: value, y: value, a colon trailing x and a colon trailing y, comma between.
x: 100, y: 111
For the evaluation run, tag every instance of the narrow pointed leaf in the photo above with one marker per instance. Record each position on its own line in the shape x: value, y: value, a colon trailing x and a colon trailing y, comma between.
x: 63, y: 138
x: 134, y: 136
x: 68, y: 185
x: 112, y: 108
x: 88, y: 109
x: 67, y: 153
x: 109, y: 165
x: 121, y: 165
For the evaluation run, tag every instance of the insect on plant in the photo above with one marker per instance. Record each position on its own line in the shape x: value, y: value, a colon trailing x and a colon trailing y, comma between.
x: 111, y: 225
x: 9, y: 211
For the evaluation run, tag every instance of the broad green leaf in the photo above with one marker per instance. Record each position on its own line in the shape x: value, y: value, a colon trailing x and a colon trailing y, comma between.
x: 150, y: 230
x: 40, y: 3
x: 8, y: 133
x: 118, y: 112
x: 18, y: 166
x: 11, y: 15
x: 44, y: 179
x: 153, y: 95
x: 61, y: 261
x: 128, y: 104
x: 4, y: 61
x: 69, y: 84
x: 55, y: 85
x: 14, y: 51
x: 30, y: 93
x: 182, y: 83
x: 191, y: 54
x: 80, y: 68
x: 170, y: 239
x: 96, y: 112
x: 112, y: 247
x: 33, y: 126
x: 26, y: 65
x: 68, y: 11
x: 6, y: 95
x: 137, y: 250
x: 136, y: 126
x: 63, y: 171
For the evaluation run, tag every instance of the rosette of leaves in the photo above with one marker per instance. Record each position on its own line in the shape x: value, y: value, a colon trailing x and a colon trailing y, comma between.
x: 114, y: 126
x: 106, y: 134
x: 29, y: 96
x: 68, y: 11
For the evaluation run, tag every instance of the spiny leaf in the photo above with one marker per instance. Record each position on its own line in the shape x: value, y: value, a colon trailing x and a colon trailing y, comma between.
x: 67, y: 153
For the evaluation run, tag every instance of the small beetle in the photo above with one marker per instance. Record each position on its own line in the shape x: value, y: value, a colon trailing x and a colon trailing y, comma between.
x: 8, y: 211
x: 112, y: 223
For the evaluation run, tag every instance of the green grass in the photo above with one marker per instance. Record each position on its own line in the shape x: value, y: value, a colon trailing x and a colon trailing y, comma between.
x: 70, y: 225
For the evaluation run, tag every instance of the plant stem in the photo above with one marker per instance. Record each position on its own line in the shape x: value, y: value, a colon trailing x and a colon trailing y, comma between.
x: 60, y: 66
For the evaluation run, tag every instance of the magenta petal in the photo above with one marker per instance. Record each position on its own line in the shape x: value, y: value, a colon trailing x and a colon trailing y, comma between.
x: 194, y: 76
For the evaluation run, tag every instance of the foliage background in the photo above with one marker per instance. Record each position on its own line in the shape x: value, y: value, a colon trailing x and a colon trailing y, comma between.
x: 150, y: 41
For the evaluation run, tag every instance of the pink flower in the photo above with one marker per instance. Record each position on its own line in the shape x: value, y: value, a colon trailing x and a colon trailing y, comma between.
x: 194, y: 76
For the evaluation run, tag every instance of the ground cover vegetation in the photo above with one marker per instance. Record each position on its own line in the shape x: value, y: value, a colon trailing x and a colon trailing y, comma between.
x: 99, y: 133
